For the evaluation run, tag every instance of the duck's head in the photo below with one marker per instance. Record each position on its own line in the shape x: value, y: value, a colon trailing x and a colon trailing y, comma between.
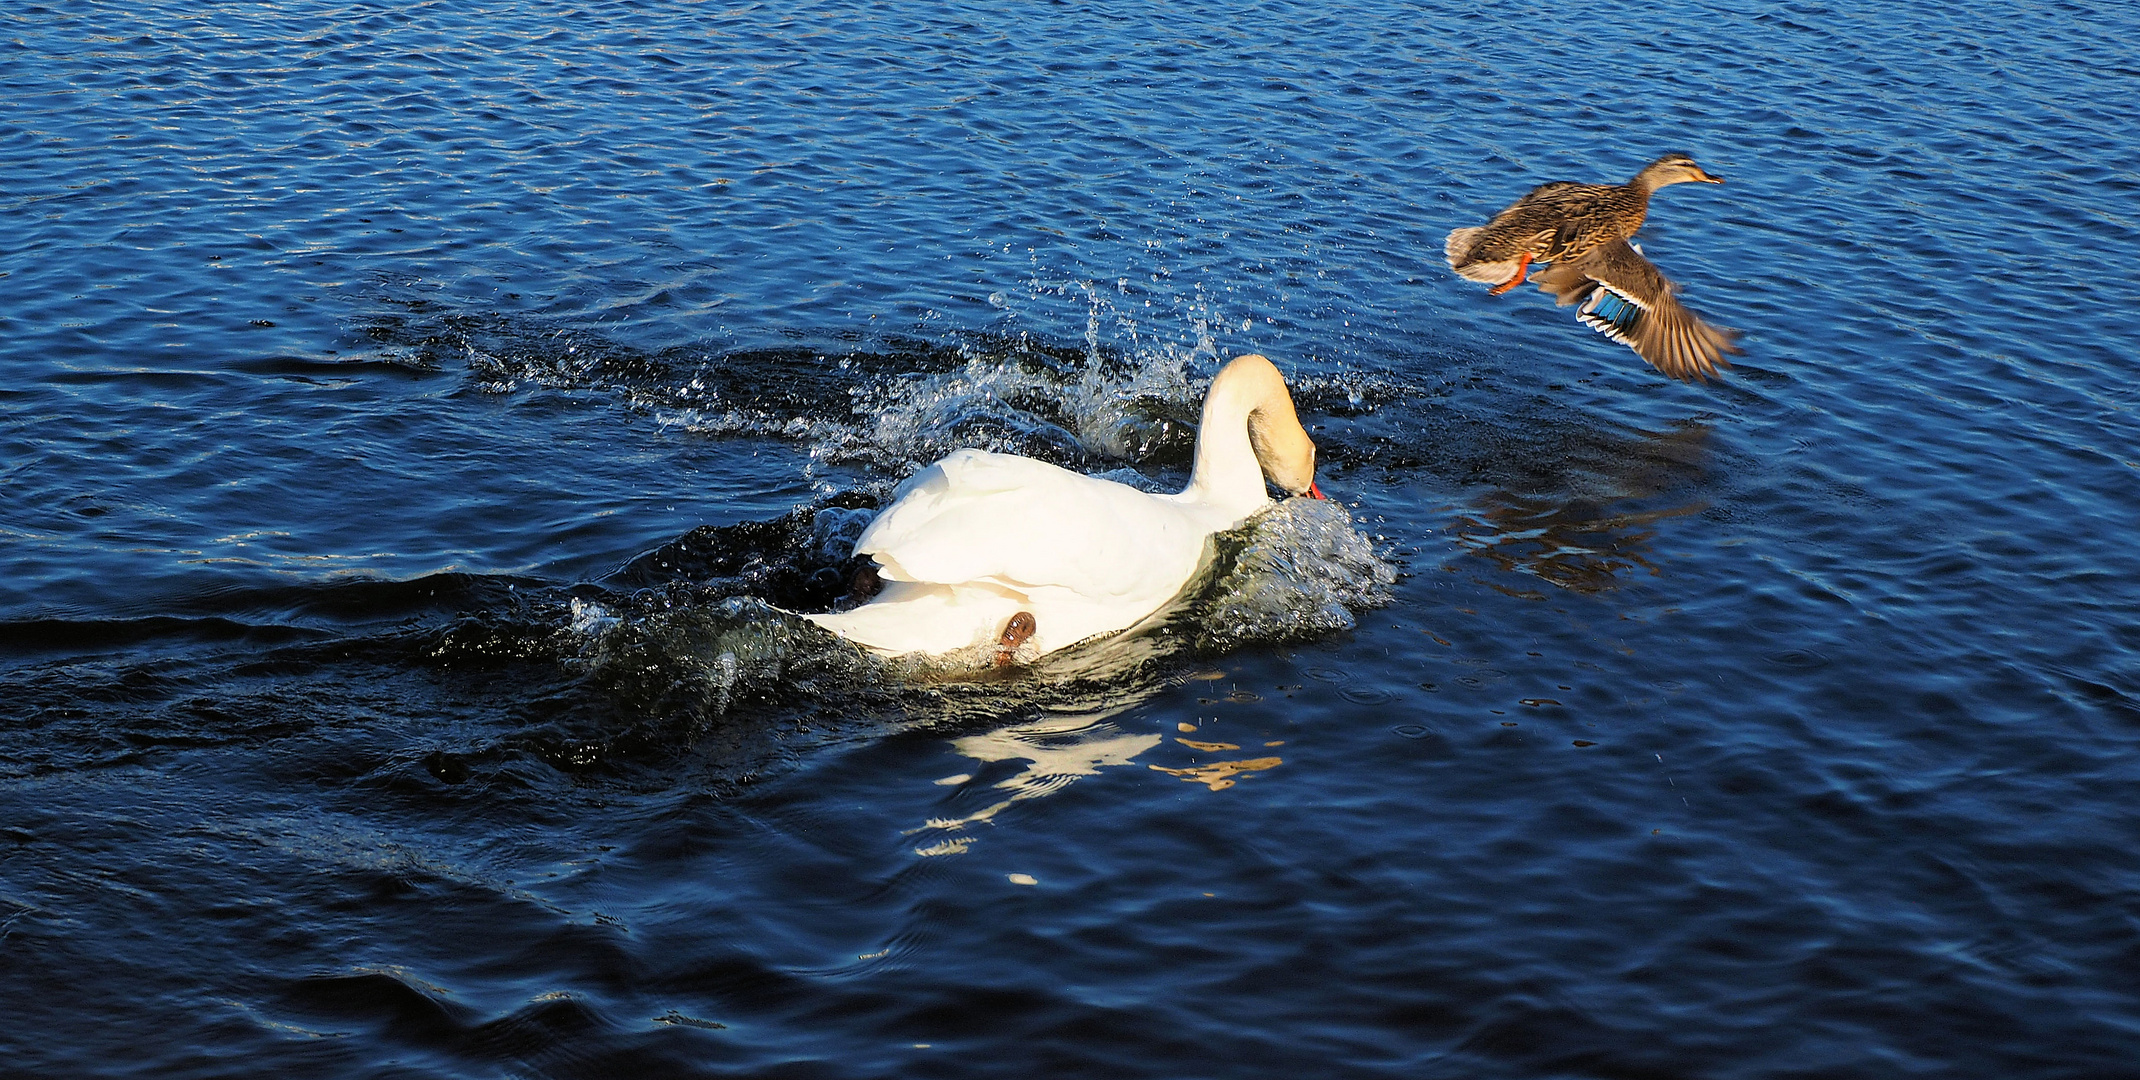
x: 1282, y: 446
x: 1673, y: 169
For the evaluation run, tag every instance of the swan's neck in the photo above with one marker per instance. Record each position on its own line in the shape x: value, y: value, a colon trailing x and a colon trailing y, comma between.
x: 1226, y: 478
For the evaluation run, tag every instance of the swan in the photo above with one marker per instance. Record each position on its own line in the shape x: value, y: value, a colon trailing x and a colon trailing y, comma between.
x: 987, y: 549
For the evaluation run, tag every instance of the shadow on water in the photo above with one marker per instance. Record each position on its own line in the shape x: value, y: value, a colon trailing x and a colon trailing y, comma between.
x: 1590, y: 530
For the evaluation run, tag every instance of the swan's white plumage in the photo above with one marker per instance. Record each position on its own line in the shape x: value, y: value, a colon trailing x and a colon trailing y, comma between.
x: 978, y: 537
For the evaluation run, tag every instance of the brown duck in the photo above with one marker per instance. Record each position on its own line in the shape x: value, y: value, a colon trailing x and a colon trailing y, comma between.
x: 1583, y: 230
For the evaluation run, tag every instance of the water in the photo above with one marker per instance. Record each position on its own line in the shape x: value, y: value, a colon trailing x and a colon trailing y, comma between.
x: 418, y: 417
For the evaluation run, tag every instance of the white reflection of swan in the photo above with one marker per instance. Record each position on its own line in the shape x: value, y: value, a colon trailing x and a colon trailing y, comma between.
x: 1058, y: 750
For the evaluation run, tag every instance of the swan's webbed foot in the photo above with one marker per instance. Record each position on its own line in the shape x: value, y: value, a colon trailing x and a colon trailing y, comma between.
x: 1015, y: 633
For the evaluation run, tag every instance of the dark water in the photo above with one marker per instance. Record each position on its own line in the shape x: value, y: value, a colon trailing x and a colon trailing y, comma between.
x: 417, y: 415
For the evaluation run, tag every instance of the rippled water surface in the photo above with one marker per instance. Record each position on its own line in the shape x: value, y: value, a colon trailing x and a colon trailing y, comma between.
x: 421, y: 420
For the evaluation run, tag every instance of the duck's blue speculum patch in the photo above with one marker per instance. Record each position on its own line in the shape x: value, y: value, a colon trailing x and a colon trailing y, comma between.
x: 1610, y: 313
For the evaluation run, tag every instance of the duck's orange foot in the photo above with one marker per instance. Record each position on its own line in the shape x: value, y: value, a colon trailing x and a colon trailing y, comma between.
x: 1523, y: 270
x: 1015, y: 633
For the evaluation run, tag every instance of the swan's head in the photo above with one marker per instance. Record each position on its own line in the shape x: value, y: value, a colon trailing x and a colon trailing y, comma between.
x: 1282, y: 446
x: 1674, y: 169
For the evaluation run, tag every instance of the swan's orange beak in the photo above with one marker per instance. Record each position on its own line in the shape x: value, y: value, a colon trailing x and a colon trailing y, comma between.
x: 1316, y: 492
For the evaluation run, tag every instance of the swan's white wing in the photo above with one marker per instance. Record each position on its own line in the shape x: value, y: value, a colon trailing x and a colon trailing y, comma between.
x: 977, y: 517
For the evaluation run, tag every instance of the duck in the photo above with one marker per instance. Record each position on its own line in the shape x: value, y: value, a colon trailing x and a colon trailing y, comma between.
x: 1585, y: 232
x: 1006, y: 558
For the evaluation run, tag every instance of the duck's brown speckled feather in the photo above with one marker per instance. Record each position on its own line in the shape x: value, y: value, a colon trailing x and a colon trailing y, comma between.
x: 1561, y: 220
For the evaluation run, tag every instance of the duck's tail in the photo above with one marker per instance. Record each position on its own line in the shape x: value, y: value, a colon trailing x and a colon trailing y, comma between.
x: 1458, y: 250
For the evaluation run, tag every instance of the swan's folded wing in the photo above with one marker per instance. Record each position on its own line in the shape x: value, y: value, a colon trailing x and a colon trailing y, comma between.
x: 1626, y: 298
x: 977, y: 517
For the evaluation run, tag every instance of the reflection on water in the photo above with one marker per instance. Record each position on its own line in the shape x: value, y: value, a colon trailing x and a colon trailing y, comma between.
x: 1056, y: 751
x: 1575, y: 538
x: 1219, y: 775
x: 1060, y: 749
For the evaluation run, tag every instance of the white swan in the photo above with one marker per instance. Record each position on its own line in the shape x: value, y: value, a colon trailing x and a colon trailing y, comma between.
x: 984, y: 548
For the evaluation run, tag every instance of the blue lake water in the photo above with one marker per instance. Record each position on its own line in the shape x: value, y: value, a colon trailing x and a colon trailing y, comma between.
x: 418, y: 416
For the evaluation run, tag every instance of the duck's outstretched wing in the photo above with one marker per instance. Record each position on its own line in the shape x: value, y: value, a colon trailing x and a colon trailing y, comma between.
x: 1626, y: 298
